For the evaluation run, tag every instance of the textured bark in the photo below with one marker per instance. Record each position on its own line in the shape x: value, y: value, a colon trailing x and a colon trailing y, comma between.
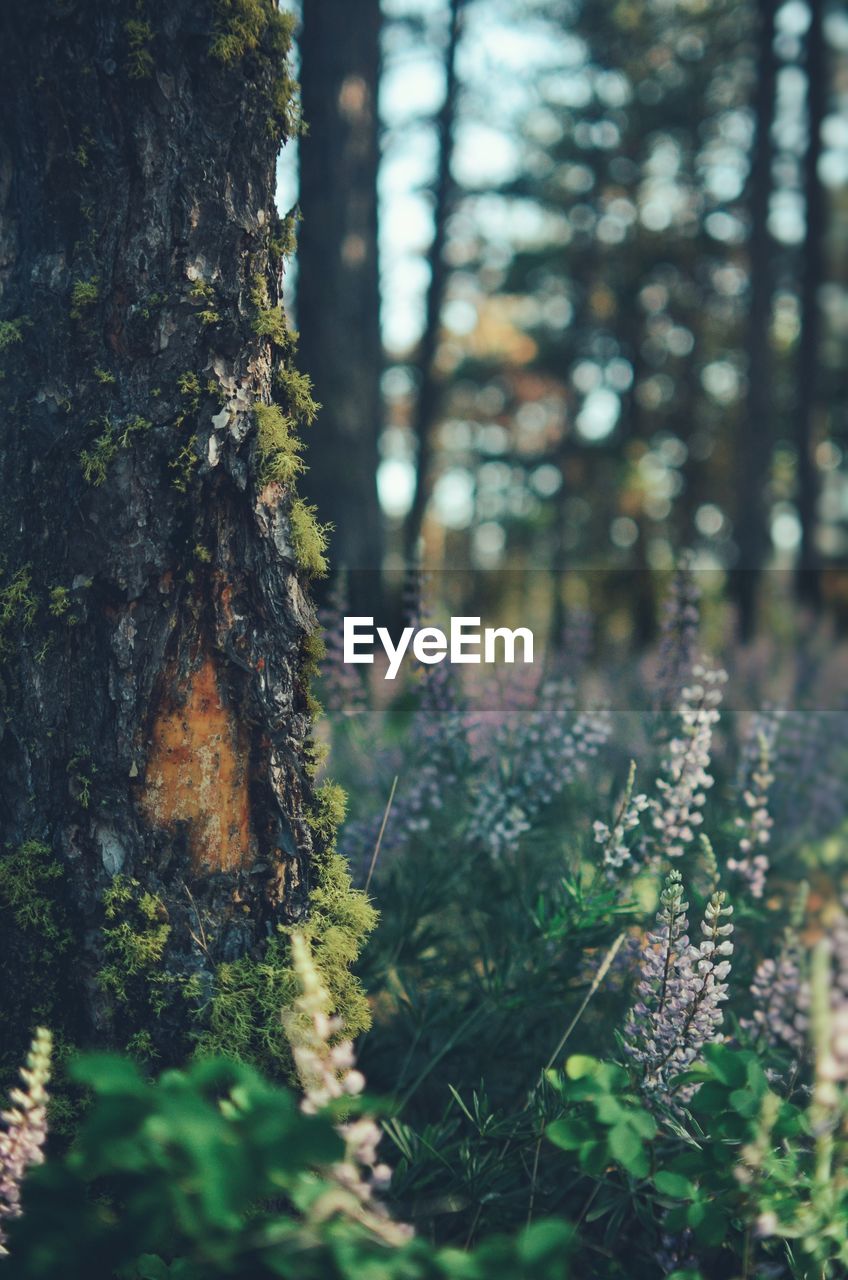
x: 154, y: 710
x: 339, y: 293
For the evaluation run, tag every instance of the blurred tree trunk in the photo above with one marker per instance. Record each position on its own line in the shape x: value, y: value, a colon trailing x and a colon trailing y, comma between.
x: 156, y: 805
x: 808, y: 586
x: 429, y: 394
x: 756, y: 428
x: 338, y: 285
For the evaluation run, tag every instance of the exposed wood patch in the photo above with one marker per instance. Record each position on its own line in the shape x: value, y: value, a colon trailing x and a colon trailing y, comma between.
x: 197, y: 773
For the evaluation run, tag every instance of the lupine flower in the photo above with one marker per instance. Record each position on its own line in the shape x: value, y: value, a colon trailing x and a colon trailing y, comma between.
x: 678, y: 635
x: 756, y: 825
x: 531, y: 765
x: 24, y: 1128
x: 627, y: 817
x: 780, y: 990
x: 326, y: 1068
x: 781, y: 999
x: 682, y: 988
x: 677, y: 810
x: 434, y: 760
x: 811, y: 793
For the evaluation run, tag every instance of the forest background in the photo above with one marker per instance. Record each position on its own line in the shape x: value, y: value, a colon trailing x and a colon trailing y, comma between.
x: 607, y: 247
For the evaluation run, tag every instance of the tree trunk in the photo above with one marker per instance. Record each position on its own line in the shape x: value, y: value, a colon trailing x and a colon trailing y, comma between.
x: 807, y: 580
x: 339, y: 287
x: 755, y: 431
x: 428, y: 399
x: 159, y: 819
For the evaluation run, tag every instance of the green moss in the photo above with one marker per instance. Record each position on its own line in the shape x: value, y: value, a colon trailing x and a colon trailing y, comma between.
x: 38, y: 940
x: 18, y: 603
x: 279, y: 449
x: 296, y: 389
x: 140, y: 1045
x: 104, y: 377
x: 11, y: 332
x: 269, y: 321
x: 84, y: 294
x: 80, y: 771
x: 242, y: 1020
x: 60, y: 601
x: 314, y: 651
x: 95, y: 462
x: 330, y: 810
x: 189, y: 385
x: 134, y: 941
x: 243, y: 1017
x: 203, y: 554
x: 309, y: 538
x: 139, y: 64
x: 184, y: 465
x: 202, y: 292
x: 242, y: 24
x: 152, y: 303
x: 282, y: 240
x: 28, y: 889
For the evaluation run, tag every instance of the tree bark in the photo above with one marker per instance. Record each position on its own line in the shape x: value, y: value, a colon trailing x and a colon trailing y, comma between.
x: 755, y: 435
x: 429, y: 395
x: 158, y: 819
x: 339, y: 288
x: 807, y: 579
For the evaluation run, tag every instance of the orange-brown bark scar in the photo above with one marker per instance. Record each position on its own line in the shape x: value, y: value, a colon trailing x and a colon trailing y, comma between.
x: 197, y: 773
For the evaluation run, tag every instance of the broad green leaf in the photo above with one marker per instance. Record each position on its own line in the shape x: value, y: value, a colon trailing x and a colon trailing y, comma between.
x: 675, y: 1185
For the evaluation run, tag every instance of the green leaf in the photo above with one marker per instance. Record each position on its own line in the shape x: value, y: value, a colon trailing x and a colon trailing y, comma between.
x: 675, y: 1185
x: 707, y: 1221
x: 643, y: 1122
x: 626, y: 1147
x: 729, y: 1066
x: 569, y: 1134
x: 608, y: 1109
x: 106, y: 1073
x: 580, y: 1065
x: 593, y: 1157
x: 711, y: 1099
x: 745, y: 1103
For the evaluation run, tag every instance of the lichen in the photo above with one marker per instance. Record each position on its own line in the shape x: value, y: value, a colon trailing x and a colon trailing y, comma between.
x: 27, y: 887
x: 18, y: 605
x: 84, y: 294
x: 242, y: 24
x: 203, y: 293
x: 309, y: 538
x: 17, y: 601
x: 184, y: 465
x: 296, y: 389
x: 95, y: 462
x: 11, y: 332
x: 38, y: 939
x: 60, y: 601
x: 243, y: 1020
x: 139, y: 63
x: 189, y: 385
x: 279, y: 449
x: 134, y: 941
x: 270, y: 322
